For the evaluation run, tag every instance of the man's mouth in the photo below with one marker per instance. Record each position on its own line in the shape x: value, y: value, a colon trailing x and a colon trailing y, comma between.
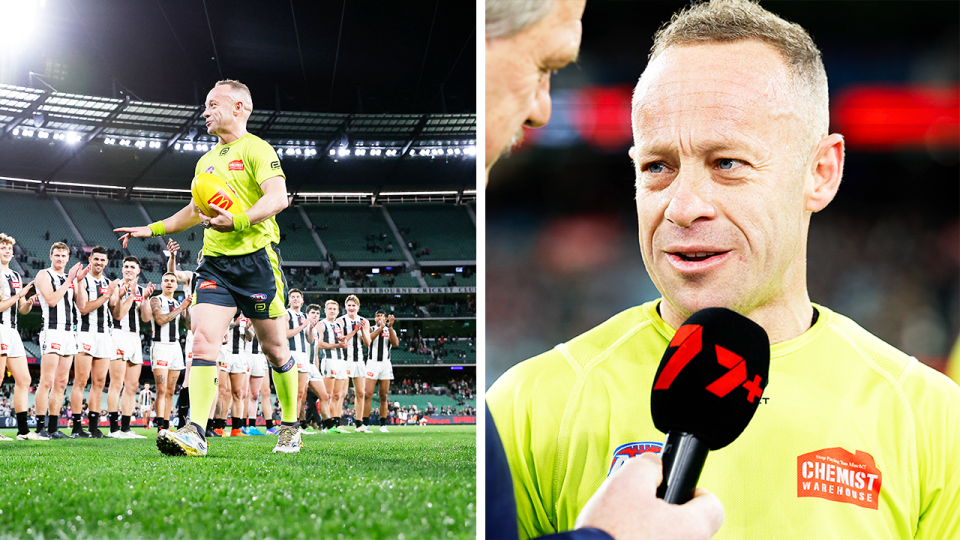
x: 699, y: 256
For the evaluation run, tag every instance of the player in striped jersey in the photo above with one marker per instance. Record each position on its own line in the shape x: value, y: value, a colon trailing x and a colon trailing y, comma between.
x: 15, y: 298
x: 299, y: 334
x: 257, y: 363
x: 353, y: 323
x: 316, y: 391
x: 58, y: 341
x: 379, y: 368
x: 165, y: 353
x: 129, y: 309
x: 332, y: 344
x: 189, y: 281
x: 95, y: 344
x: 238, y: 380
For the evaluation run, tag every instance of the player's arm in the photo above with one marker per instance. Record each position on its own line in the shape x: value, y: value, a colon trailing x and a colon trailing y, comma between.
x: 45, y: 286
x: 182, y: 276
x: 146, y: 314
x: 187, y: 217
x: 27, y: 294
x: 186, y: 312
x: 365, y: 332
x: 294, y: 331
x: 394, y: 340
x: 91, y: 305
x: 120, y: 306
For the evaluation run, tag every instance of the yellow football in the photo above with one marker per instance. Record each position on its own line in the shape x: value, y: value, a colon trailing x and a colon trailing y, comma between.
x: 210, y: 190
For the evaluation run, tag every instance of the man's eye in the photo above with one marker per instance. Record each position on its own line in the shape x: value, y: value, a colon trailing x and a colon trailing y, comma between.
x: 656, y: 168
x: 728, y: 164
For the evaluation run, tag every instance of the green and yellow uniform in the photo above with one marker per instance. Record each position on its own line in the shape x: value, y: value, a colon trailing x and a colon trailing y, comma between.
x: 853, y: 439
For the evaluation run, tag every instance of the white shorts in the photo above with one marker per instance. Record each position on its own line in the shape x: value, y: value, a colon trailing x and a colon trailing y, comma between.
x: 128, y: 346
x: 258, y: 364
x: 335, y: 369
x: 235, y: 363
x: 303, y: 361
x: 380, y: 371
x: 188, y: 348
x: 96, y: 344
x: 314, y: 374
x: 166, y: 356
x: 356, y: 369
x: 60, y: 342
x: 10, y: 343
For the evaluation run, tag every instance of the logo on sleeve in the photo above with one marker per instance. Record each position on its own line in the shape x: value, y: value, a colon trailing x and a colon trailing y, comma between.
x: 274, y: 165
x: 210, y: 169
x: 629, y: 450
x: 235, y: 165
x: 837, y: 475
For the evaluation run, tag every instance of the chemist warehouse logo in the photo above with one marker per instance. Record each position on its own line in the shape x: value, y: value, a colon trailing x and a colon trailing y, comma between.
x: 837, y: 475
x: 629, y: 450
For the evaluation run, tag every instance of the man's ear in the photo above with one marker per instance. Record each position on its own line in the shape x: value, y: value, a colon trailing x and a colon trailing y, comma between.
x: 826, y: 172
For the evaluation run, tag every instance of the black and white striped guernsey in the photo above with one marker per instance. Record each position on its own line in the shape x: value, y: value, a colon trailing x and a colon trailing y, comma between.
x: 131, y: 321
x: 298, y: 343
x: 235, y: 340
x: 253, y: 346
x: 330, y: 332
x: 98, y: 320
x: 170, y: 332
x: 380, y: 346
x: 10, y: 284
x: 354, y: 348
x: 63, y: 315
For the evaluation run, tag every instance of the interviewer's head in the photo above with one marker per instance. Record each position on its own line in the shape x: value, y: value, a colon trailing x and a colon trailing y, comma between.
x: 526, y: 40
x: 732, y: 156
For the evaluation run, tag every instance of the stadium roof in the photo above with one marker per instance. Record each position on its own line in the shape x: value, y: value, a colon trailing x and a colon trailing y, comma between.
x: 355, y: 95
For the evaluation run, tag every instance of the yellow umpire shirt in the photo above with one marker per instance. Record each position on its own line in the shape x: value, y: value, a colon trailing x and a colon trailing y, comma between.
x: 244, y: 164
x: 853, y: 438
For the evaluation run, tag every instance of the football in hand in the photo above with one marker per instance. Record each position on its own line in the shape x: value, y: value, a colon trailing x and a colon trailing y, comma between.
x: 210, y: 190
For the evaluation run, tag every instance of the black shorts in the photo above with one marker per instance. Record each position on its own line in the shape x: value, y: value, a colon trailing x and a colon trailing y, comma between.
x: 253, y: 283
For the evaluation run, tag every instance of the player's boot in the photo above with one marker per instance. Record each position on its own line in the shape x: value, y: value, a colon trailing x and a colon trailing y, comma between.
x: 186, y: 441
x: 32, y: 436
x: 4, y: 438
x: 383, y: 429
x: 273, y: 431
x: 58, y: 435
x: 80, y: 435
x: 238, y: 433
x: 288, y: 441
x: 114, y: 435
x: 252, y: 431
x: 219, y: 432
x: 95, y: 433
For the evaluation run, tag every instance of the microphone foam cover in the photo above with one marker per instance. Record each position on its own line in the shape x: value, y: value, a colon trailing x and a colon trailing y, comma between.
x: 711, y: 377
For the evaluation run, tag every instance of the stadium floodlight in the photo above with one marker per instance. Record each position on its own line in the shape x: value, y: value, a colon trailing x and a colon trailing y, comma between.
x: 43, y: 135
x: 470, y: 150
x: 202, y: 147
x: 175, y: 146
x: 124, y: 142
x: 73, y: 137
x: 155, y: 144
x: 27, y: 133
x: 188, y: 146
x: 333, y: 152
x: 19, y: 22
x: 16, y: 131
x: 343, y: 152
x: 289, y: 151
x: 109, y: 140
x: 361, y: 152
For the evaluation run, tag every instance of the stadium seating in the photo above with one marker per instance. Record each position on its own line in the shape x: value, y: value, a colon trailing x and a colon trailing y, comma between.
x: 446, y: 230
x: 354, y: 232
x: 297, y: 243
x: 28, y: 218
x: 163, y: 209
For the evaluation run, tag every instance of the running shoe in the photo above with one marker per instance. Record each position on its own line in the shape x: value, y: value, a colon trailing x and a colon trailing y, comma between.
x: 252, y: 431
x: 219, y: 432
x: 237, y: 432
x: 186, y: 441
x: 273, y: 431
x: 383, y: 429
x: 130, y: 435
x: 4, y: 438
x: 31, y: 436
x: 307, y: 432
x: 288, y: 441
x: 336, y: 430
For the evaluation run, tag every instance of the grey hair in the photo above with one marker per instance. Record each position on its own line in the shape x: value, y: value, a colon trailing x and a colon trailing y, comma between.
x: 239, y: 90
x: 726, y: 21
x: 507, y: 18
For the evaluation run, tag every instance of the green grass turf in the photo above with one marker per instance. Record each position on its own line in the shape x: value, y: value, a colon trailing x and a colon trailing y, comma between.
x: 412, y: 483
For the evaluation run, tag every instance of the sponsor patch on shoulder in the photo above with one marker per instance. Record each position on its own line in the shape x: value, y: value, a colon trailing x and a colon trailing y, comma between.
x: 207, y: 285
x: 629, y: 450
x: 837, y: 475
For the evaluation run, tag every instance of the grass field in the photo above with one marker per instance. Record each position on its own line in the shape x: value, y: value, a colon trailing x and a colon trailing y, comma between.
x: 415, y: 482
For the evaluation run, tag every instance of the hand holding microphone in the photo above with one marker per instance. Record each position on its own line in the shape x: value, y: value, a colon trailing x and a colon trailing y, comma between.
x: 706, y: 390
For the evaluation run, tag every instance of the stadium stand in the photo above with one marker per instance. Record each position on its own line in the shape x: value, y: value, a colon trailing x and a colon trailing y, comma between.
x: 36, y: 224
x: 296, y: 239
x: 437, y: 232
x: 354, y: 233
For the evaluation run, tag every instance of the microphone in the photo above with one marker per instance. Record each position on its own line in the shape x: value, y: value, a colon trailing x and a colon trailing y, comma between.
x: 707, y: 388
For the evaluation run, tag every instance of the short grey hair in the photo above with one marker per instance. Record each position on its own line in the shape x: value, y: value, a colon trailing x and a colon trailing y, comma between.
x: 727, y: 21
x: 240, y: 92
x: 507, y: 18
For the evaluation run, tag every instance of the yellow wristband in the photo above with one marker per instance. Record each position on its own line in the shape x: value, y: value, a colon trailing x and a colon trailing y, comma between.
x: 240, y: 221
x: 158, y: 229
